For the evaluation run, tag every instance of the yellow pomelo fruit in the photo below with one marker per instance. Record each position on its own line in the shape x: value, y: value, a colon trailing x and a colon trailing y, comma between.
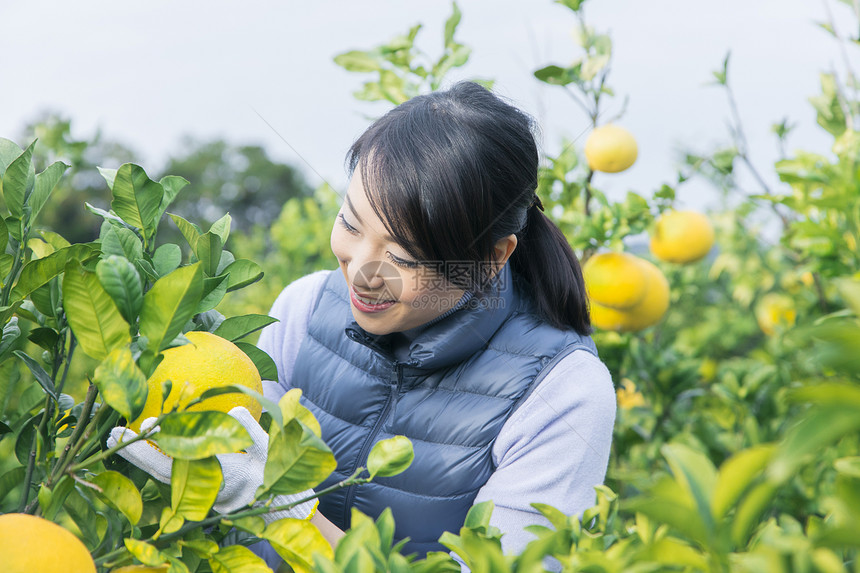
x: 614, y: 280
x: 209, y: 361
x: 682, y: 237
x: 775, y: 309
x: 29, y: 544
x: 645, y: 313
x: 610, y: 148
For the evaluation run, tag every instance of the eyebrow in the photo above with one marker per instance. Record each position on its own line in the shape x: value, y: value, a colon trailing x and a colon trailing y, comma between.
x: 388, y: 238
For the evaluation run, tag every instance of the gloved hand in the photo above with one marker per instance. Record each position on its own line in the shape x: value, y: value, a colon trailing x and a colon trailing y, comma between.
x: 243, y: 472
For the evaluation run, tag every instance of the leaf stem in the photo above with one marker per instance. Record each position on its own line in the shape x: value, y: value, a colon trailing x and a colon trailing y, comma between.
x: 62, y: 463
x: 111, y: 451
x: 31, y: 463
x: 13, y: 274
x: 68, y: 358
x: 194, y: 525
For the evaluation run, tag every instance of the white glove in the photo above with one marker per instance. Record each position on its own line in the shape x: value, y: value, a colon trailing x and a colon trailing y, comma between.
x: 243, y: 472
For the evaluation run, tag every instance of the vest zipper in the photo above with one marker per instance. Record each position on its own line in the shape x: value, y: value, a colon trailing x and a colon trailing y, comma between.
x: 365, y: 448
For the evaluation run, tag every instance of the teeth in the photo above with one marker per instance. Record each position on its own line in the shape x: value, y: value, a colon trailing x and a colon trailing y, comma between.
x: 368, y: 301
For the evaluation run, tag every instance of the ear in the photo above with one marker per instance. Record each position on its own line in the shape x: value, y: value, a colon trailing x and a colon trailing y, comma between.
x: 503, y: 250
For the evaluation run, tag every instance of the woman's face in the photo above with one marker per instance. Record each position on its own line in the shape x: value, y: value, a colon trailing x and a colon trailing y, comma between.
x: 378, y: 270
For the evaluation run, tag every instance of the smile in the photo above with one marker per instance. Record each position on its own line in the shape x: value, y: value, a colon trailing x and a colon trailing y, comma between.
x: 368, y: 304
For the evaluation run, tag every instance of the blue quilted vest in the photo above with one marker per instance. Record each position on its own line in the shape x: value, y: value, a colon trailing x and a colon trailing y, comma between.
x: 462, y: 377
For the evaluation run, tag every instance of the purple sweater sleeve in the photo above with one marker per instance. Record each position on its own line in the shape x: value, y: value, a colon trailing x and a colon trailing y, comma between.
x: 564, y: 427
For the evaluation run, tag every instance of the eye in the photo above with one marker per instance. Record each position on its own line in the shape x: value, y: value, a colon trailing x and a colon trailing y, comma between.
x: 402, y: 263
x: 349, y: 228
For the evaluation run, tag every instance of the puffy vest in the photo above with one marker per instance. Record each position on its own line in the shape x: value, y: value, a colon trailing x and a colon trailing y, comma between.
x: 464, y: 376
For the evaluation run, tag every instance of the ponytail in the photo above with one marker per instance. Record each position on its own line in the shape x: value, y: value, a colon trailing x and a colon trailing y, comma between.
x: 544, y: 259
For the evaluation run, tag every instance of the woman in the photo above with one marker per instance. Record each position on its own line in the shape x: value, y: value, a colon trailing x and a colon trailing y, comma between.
x: 458, y: 318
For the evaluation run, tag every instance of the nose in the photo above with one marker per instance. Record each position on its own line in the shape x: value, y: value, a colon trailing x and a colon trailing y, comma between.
x: 369, y: 276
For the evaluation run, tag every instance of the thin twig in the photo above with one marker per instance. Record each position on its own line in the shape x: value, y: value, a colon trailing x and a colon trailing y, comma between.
x: 61, y: 464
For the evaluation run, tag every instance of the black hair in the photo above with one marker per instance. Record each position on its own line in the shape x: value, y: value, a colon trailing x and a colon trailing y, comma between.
x: 451, y: 172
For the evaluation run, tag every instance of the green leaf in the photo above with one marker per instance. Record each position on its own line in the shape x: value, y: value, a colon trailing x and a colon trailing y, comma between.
x: 554, y: 516
x: 695, y: 473
x: 850, y: 291
x: 736, y: 476
x: 666, y: 503
x: 172, y: 185
x: 817, y: 431
x: 227, y: 259
x: 7, y: 261
x: 385, y: 527
x: 297, y: 541
x: 390, y: 457
x: 203, y: 548
x: 120, y: 280
x: 4, y: 240
x: 6, y: 312
x: 265, y: 365
x: 9, y: 151
x: 45, y: 183
x: 214, y: 289
x: 849, y: 466
x: 80, y: 509
x: 357, y: 61
x: 253, y: 524
x: 194, y: 485
x: 221, y: 227
x: 242, y: 273
x: 558, y: 76
x: 750, y: 510
x: 136, y: 198
x: 55, y: 499
x: 451, y: 25
x: 16, y: 182
x: 169, y: 304
x: 830, y: 114
x: 298, y: 460
x: 237, y: 327
x: 24, y: 439
x: 290, y: 407
x: 166, y: 259
x: 237, y: 559
x: 121, y: 383
x: 208, y: 250
x: 11, y: 479
x: 92, y: 314
x: 109, y: 176
x: 574, y: 5
x: 42, y: 377
x: 360, y: 541
x: 120, y: 493
x: 109, y: 217
x: 41, y: 271
x: 478, y: 517
x: 145, y: 553
x: 122, y: 242
x: 189, y: 230
x: 197, y: 435
x: 169, y: 522
x: 592, y: 66
x: 11, y: 333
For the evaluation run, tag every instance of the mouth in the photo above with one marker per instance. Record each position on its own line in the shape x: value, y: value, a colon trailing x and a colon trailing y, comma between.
x: 365, y: 302
x: 370, y: 300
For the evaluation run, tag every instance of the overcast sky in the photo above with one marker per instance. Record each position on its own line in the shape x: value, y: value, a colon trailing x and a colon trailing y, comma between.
x: 148, y: 72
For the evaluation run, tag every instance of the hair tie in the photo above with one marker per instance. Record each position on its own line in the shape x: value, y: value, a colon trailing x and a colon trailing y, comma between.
x: 536, y: 201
